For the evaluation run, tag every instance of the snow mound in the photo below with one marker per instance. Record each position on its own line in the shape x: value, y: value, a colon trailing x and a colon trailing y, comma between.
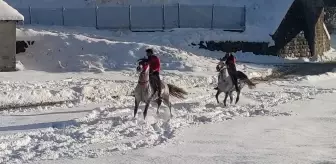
x: 7, y: 12
x: 113, y: 128
x: 19, y: 66
x: 63, y: 52
x: 90, y: 50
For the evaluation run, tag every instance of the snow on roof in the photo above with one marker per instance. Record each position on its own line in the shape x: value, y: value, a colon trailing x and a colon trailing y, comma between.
x: 7, y: 12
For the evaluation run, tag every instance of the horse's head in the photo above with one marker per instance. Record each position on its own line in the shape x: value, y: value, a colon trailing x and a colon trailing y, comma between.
x: 220, y: 66
x: 143, y: 66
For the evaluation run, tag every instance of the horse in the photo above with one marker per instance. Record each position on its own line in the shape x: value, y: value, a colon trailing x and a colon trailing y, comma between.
x: 225, y: 83
x: 144, y: 91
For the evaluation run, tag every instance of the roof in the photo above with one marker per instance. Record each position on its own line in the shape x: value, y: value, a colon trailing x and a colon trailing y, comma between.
x: 7, y: 12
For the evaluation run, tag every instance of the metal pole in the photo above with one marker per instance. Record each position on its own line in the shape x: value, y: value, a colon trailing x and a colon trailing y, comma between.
x: 30, y: 16
x: 130, y: 17
x: 178, y: 16
x: 63, y: 15
x: 163, y: 18
x: 96, y: 15
x: 212, y: 15
x: 244, y: 18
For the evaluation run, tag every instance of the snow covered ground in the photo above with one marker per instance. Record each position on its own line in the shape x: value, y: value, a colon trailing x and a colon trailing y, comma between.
x: 307, y: 137
x: 71, y: 104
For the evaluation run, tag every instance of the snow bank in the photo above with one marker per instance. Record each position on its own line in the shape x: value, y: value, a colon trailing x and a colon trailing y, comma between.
x: 9, y: 13
x: 27, y: 35
x: 58, y: 52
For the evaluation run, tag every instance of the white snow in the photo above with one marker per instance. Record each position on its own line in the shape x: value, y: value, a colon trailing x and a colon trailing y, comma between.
x: 71, y: 103
x: 308, y: 137
x: 9, y: 13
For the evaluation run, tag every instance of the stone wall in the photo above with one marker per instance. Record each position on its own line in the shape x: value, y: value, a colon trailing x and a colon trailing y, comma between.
x: 302, y: 32
x: 298, y: 47
x: 291, y: 39
x: 317, y: 36
x: 322, y: 42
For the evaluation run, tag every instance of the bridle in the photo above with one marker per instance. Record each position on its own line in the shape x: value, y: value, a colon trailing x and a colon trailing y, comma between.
x: 220, y: 66
x: 140, y: 67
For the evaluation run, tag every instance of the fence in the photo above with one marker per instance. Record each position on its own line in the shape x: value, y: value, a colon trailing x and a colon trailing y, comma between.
x: 142, y: 18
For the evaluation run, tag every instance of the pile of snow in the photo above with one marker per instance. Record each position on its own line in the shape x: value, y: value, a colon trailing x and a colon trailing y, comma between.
x: 90, y: 50
x: 60, y: 52
x: 98, y: 51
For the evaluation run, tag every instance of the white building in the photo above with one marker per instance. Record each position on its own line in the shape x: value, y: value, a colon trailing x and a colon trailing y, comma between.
x: 8, y: 20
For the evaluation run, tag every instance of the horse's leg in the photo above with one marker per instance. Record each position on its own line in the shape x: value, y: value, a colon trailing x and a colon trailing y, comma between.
x: 159, y: 102
x: 217, y: 94
x: 146, y: 109
x: 237, y: 98
x: 136, y: 106
x: 167, y: 102
x: 147, y: 104
x: 231, y: 97
x: 170, y: 109
x: 226, y: 96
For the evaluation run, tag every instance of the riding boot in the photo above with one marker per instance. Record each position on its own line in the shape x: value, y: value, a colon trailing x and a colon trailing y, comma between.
x: 157, y: 84
x: 233, y: 75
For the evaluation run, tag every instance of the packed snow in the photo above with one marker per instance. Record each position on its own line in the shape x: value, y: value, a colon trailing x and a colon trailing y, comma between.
x: 9, y: 13
x: 72, y: 99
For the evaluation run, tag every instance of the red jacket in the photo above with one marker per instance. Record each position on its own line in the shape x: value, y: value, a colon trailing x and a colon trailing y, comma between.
x: 230, y: 60
x: 154, y: 63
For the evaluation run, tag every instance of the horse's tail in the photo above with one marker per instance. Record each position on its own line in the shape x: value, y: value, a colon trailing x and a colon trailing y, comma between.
x: 244, y: 78
x: 176, y: 91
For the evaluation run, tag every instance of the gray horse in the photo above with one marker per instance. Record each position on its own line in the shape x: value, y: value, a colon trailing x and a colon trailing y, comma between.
x: 226, y: 85
x: 144, y: 91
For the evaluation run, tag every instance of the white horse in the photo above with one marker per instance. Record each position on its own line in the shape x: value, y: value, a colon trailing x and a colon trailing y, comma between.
x: 144, y: 92
x: 225, y: 83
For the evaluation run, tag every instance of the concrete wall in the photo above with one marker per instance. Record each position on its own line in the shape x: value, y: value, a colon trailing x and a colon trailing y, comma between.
x: 7, y: 45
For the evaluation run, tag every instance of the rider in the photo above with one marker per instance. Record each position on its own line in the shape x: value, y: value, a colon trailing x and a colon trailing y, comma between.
x: 231, y: 65
x: 155, y: 65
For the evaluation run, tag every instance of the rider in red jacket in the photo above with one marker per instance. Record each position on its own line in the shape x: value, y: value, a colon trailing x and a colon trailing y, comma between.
x: 155, y: 66
x: 232, y: 70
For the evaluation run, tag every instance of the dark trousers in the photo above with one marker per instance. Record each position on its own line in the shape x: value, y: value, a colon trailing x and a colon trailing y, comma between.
x: 233, y: 74
x: 156, y: 82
